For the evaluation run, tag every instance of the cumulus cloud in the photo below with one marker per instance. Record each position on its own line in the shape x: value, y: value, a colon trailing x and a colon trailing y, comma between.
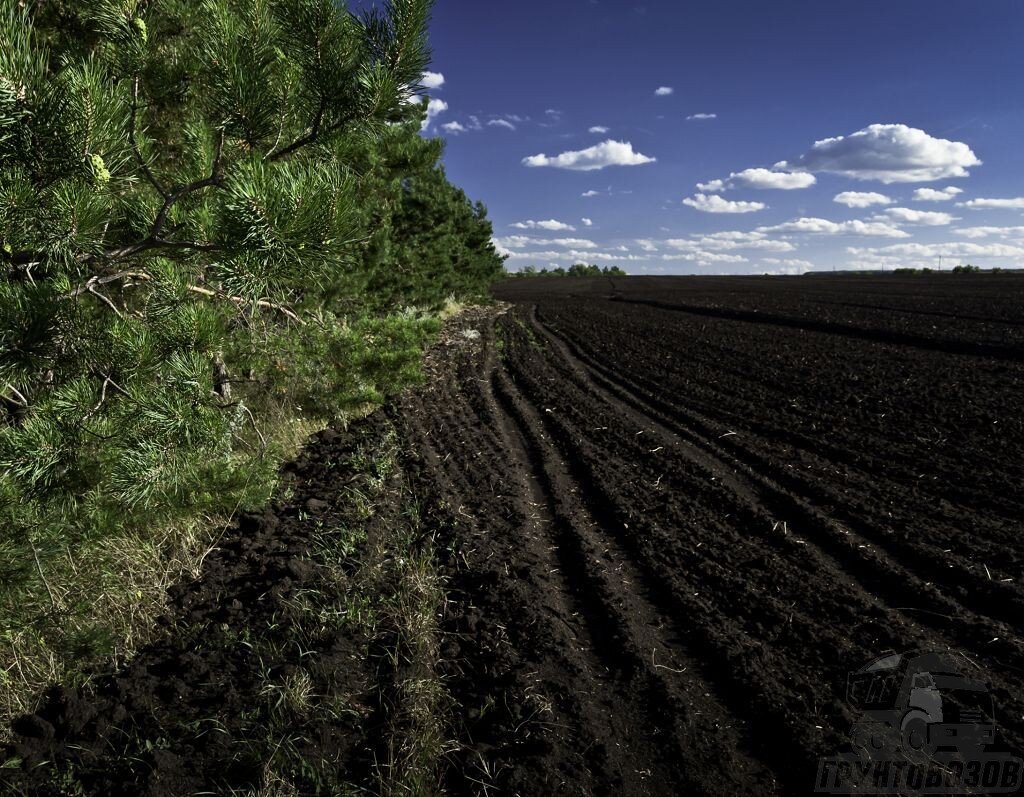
x: 924, y: 217
x: 954, y: 249
x: 889, y: 154
x: 706, y: 258
x: 587, y: 222
x: 599, y: 129
x: 647, y: 245
x: 701, y: 117
x: 936, y: 195
x: 861, y: 199
x: 761, y: 179
x: 600, y: 156
x: 590, y: 193
x: 501, y: 123
x: 730, y: 241
x: 989, y: 232
x: 1016, y: 203
x: 522, y: 241
x: 434, y: 109
x: 574, y: 255
x: 712, y: 187
x: 551, y: 225
x: 715, y: 204
x: 664, y: 91
x: 787, y: 265
x: 453, y: 127
x: 814, y: 226
x: 432, y: 80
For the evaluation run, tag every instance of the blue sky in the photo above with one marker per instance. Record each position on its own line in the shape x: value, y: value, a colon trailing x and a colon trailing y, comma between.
x: 900, y: 95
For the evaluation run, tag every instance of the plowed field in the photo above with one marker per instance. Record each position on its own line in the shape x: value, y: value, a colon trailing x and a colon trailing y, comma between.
x: 669, y: 516
x: 685, y: 510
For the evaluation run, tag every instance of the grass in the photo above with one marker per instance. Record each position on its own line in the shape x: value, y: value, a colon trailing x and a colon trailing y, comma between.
x: 376, y: 581
x: 97, y: 600
x: 85, y: 584
x: 400, y: 597
x: 384, y: 588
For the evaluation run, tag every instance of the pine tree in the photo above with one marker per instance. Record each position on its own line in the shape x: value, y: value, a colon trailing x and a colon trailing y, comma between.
x: 195, y: 197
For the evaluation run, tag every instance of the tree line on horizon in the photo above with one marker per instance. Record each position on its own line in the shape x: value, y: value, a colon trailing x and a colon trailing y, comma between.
x: 575, y: 270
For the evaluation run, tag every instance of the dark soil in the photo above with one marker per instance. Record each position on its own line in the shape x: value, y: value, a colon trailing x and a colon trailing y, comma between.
x: 192, y: 712
x: 673, y: 515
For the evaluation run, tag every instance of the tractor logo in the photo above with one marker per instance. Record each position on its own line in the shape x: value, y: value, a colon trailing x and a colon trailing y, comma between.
x: 925, y: 724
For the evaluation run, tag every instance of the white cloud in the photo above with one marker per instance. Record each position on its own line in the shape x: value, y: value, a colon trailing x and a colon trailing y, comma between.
x: 432, y: 80
x: 989, y: 232
x: 936, y: 195
x: 551, y: 225
x: 789, y: 266
x: 715, y: 204
x: 1017, y: 203
x: 501, y: 250
x: 923, y: 217
x: 453, y: 127
x: 706, y: 258
x: 573, y: 255
x: 712, y: 187
x: 434, y: 109
x: 888, y: 153
x: 862, y: 199
x: 591, y: 193
x: 600, y: 156
x: 814, y: 226
x: 954, y: 249
x: 501, y: 123
x: 599, y: 129
x: 761, y: 179
x: 587, y: 222
x: 664, y: 91
x: 522, y: 241
x: 647, y: 245
x: 730, y: 241
x: 701, y: 117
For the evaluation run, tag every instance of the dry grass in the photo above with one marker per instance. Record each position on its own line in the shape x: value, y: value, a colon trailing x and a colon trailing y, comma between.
x: 101, y: 599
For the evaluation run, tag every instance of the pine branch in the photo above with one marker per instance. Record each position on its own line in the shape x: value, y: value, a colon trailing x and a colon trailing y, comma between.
x: 309, y: 138
x: 148, y: 244
x: 216, y: 178
x: 132, y: 122
x: 153, y: 240
x: 90, y: 285
x: 242, y: 301
x: 105, y: 300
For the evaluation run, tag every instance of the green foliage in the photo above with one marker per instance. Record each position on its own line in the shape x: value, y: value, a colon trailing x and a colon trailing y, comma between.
x: 214, y: 217
x: 575, y: 270
x: 966, y: 269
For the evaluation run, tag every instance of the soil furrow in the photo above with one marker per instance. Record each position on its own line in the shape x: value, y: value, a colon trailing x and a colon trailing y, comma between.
x: 985, y: 598
x: 688, y: 719
x: 888, y: 337
x: 843, y: 547
x: 593, y: 478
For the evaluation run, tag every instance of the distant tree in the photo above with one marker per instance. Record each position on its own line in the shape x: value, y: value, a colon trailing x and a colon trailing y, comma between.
x: 575, y: 270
